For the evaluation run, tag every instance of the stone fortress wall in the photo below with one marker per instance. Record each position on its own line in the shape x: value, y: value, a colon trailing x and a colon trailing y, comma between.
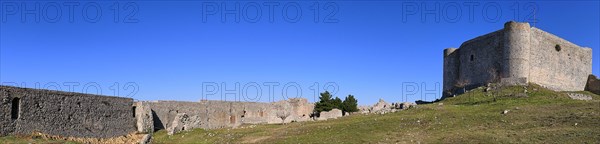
x: 223, y: 114
x: 24, y: 111
x: 517, y: 55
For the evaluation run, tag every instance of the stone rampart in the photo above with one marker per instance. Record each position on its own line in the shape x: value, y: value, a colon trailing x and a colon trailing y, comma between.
x: 24, y: 111
x: 223, y: 114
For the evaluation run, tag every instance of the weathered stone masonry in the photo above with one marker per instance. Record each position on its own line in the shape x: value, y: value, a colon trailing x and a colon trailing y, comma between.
x: 517, y: 55
x: 223, y: 114
x: 24, y: 111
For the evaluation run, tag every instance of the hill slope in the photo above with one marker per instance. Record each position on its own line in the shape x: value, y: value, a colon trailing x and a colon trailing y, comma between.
x: 539, y: 116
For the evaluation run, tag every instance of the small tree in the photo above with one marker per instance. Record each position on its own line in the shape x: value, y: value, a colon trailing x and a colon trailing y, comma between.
x: 337, y: 103
x: 350, y: 104
x: 325, y: 102
x: 283, y: 111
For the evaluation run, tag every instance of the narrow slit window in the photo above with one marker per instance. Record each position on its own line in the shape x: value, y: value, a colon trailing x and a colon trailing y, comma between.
x: 472, y: 57
x: 232, y: 119
x: 133, y: 111
x: 14, y: 113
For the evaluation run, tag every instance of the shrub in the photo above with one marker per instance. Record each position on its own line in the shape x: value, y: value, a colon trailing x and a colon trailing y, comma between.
x: 327, y: 102
x: 350, y: 104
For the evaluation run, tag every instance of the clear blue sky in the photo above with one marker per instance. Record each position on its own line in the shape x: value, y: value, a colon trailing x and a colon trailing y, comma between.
x: 169, y: 50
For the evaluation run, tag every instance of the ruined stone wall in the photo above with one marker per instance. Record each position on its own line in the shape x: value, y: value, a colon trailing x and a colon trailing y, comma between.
x: 565, y: 69
x: 213, y: 114
x: 163, y: 112
x: 24, y: 111
x: 223, y: 114
x: 301, y: 109
x: 473, y: 61
x: 258, y: 114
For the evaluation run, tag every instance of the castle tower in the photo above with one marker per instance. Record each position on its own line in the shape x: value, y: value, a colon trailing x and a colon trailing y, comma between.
x: 515, y: 69
x: 450, y: 70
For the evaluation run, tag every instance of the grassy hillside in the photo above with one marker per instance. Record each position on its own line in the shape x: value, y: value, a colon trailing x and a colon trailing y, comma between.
x: 540, y: 116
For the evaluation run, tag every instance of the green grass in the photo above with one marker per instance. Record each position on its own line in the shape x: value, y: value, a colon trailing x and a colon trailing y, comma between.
x: 541, y: 116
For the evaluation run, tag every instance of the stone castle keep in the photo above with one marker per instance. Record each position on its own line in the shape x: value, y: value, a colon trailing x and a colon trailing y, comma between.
x: 517, y: 55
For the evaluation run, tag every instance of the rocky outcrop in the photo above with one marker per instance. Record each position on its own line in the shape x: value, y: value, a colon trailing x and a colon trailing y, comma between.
x: 593, y: 85
x: 381, y: 105
x: 183, y: 122
x: 364, y: 109
x: 578, y: 96
x: 407, y: 105
x: 178, y: 124
x: 147, y: 139
x: 332, y: 114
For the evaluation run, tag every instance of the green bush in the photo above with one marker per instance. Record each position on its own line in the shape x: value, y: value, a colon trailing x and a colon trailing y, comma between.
x: 350, y: 104
x: 327, y: 102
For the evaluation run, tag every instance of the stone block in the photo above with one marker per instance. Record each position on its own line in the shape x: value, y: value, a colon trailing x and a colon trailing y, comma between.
x: 332, y: 114
x: 178, y: 124
x: 144, y: 119
x: 381, y: 105
x: 407, y: 105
